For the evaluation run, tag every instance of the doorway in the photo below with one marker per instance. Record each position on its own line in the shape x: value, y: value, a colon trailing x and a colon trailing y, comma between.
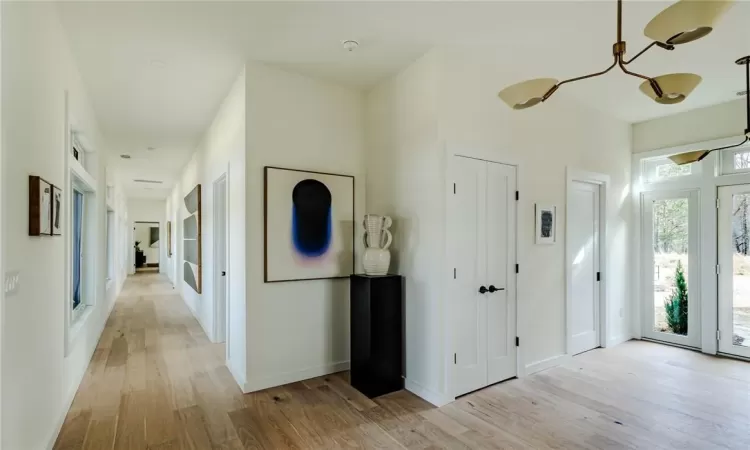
x: 482, y: 247
x: 734, y: 270
x: 146, y: 247
x: 671, y: 267
x: 585, y: 225
x: 220, y: 259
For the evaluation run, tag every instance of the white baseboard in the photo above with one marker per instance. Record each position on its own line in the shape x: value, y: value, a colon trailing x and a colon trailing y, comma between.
x: 268, y: 381
x: 617, y: 340
x: 238, y: 375
x: 546, y: 363
x: 429, y: 395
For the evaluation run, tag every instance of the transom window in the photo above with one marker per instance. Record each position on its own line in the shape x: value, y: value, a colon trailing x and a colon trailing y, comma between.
x: 663, y: 169
x: 736, y: 160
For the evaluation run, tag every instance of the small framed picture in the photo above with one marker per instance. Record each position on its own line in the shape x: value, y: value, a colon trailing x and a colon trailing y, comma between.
x: 40, y: 206
x: 56, y: 211
x: 546, y: 223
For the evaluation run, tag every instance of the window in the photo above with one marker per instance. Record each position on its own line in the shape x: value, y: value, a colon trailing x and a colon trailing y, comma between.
x: 78, y: 250
x: 663, y: 169
x: 110, y: 240
x: 742, y: 160
x: 77, y: 150
x: 735, y: 160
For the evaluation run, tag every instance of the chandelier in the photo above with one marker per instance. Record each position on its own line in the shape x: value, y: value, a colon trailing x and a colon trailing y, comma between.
x: 697, y: 155
x: 680, y: 23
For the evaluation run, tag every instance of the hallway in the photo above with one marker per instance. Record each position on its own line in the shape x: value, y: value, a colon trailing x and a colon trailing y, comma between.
x: 155, y: 379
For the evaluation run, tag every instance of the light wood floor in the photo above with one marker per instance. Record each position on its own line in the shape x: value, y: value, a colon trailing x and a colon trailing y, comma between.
x: 155, y: 382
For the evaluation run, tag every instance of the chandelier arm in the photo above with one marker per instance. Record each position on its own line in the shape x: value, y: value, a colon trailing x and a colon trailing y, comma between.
x: 730, y: 146
x: 570, y: 80
x: 654, y: 85
x: 648, y: 47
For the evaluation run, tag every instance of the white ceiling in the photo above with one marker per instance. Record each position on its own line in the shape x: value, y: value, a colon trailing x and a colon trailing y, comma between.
x: 157, y: 71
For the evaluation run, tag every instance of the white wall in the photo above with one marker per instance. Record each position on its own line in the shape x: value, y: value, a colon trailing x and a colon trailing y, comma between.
x: 297, y: 330
x: 39, y: 380
x: 406, y: 178
x: 698, y: 125
x: 143, y: 210
x: 221, y: 152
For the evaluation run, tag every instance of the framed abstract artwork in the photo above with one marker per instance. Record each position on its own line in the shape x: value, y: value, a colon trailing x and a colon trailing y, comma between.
x: 191, y: 244
x: 40, y: 207
x: 546, y: 222
x: 308, y: 225
x: 169, y: 239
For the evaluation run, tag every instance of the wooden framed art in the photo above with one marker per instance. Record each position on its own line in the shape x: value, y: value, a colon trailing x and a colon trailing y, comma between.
x: 40, y: 206
x: 308, y: 225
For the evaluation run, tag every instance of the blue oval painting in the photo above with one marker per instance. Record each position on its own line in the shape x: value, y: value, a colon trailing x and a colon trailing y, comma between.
x: 311, y: 218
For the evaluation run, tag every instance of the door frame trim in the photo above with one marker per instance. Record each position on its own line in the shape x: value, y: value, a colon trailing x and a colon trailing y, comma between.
x: 603, y: 181
x: 487, y: 156
x: 224, y: 177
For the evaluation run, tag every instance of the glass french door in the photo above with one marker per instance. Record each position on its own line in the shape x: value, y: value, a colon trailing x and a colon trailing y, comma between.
x: 671, y: 262
x: 734, y: 270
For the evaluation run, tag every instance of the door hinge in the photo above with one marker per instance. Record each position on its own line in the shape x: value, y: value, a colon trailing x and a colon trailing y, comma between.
x: 517, y: 268
x: 718, y: 335
x: 718, y: 203
x: 718, y: 269
x: 454, y: 273
x: 454, y: 188
x: 598, y: 276
x: 454, y: 358
x: 518, y: 341
x: 517, y: 195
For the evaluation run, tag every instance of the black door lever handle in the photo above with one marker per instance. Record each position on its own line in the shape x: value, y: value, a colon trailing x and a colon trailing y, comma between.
x: 482, y: 290
x: 494, y: 289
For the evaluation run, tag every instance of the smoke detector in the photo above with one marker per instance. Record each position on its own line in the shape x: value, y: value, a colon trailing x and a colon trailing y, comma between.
x: 350, y: 45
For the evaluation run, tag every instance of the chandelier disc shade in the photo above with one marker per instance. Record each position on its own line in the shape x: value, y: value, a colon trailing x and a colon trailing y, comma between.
x: 686, y: 21
x: 675, y: 86
x: 527, y: 93
x: 689, y: 157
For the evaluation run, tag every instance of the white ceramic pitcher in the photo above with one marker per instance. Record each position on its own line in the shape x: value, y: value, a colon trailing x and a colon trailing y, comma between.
x: 377, y: 240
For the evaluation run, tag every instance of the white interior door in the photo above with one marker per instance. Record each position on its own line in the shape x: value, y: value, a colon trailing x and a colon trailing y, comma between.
x: 501, y: 277
x: 220, y: 257
x: 482, y: 240
x: 583, y: 221
x: 671, y: 262
x: 734, y: 273
x: 469, y: 251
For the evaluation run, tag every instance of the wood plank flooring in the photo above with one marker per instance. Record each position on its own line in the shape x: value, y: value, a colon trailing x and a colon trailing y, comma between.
x: 156, y: 382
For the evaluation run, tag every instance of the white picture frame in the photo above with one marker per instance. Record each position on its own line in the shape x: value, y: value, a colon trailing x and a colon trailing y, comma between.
x: 546, y: 224
x: 56, y: 216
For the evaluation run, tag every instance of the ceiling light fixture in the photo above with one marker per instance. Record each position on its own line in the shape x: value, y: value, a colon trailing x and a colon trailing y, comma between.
x: 350, y: 45
x: 137, y: 180
x: 695, y: 156
x: 682, y: 22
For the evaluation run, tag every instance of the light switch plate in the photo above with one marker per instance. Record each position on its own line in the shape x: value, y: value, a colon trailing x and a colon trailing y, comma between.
x: 12, y: 283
